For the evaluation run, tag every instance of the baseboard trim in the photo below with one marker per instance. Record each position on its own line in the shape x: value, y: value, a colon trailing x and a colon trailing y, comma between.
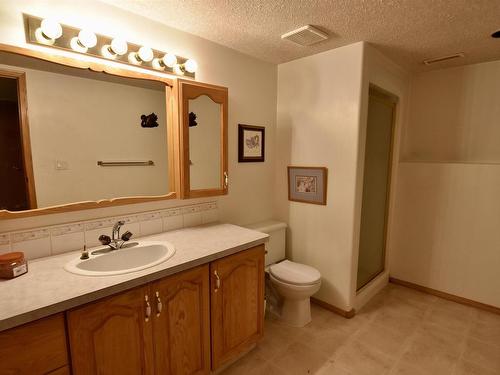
x: 346, y: 314
x: 448, y: 296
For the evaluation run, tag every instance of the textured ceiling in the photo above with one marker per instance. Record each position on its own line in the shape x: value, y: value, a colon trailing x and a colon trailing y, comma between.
x: 407, y: 31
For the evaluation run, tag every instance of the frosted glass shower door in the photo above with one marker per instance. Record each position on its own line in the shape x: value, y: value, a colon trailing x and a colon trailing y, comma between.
x: 376, y: 181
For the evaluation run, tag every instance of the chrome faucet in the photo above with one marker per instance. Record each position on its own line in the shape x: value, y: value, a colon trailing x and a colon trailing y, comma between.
x: 116, y: 242
x: 115, y: 234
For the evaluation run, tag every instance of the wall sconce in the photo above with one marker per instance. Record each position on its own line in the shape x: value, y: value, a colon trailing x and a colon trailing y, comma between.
x: 48, y: 32
x: 86, y: 39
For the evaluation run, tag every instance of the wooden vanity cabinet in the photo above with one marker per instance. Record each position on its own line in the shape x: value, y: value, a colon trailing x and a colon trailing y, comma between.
x: 186, y: 324
x: 38, y: 347
x: 237, y: 304
x: 182, y: 328
x: 112, y: 336
x: 161, y: 328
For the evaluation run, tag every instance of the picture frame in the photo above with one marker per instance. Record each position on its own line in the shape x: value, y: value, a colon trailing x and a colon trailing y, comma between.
x: 251, y: 143
x: 307, y: 184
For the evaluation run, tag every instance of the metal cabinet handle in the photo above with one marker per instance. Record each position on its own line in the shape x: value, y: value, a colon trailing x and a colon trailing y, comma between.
x: 148, y: 308
x: 159, y: 305
x: 217, y: 281
x: 226, y: 180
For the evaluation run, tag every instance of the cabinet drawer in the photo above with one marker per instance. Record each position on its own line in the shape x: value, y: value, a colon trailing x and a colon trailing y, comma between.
x: 35, y: 348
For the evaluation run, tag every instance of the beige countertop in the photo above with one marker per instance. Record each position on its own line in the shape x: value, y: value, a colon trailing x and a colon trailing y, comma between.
x: 48, y: 289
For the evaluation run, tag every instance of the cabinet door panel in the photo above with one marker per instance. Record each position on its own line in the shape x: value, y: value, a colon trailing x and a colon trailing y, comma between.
x: 181, y: 330
x: 112, y: 336
x: 237, y: 302
x: 34, y: 348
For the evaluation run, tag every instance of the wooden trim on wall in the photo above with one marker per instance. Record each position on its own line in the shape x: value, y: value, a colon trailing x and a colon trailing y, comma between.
x: 346, y: 314
x: 188, y: 90
x: 447, y: 296
x: 172, y: 131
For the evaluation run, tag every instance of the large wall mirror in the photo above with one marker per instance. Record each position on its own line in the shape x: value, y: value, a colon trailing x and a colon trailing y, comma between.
x: 73, y: 138
x: 203, y: 110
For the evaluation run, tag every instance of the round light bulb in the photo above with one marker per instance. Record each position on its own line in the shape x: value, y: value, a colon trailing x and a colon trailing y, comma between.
x: 178, y: 70
x: 42, y: 38
x: 119, y: 46
x: 51, y: 29
x: 145, y: 54
x: 170, y: 60
x: 191, y: 66
x: 133, y: 58
x: 77, y: 46
x: 87, y: 38
x: 158, y: 64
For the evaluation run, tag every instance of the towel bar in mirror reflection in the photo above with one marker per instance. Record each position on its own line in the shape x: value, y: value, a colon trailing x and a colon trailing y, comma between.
x: 139, y: 163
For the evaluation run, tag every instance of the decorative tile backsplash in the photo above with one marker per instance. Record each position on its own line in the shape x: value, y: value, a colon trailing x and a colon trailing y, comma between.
x: 57, y: 239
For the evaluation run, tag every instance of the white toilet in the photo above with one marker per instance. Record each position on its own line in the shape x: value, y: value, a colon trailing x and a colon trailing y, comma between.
x: 294, y: 282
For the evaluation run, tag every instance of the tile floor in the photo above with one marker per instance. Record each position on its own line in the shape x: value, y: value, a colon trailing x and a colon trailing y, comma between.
x: 401, y: 331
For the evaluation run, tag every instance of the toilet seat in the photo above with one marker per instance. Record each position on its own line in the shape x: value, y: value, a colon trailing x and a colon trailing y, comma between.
x: 295, y: 273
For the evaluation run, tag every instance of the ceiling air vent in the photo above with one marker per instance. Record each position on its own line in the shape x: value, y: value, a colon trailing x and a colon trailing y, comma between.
x: 443, y: 58
x: 305, y: 35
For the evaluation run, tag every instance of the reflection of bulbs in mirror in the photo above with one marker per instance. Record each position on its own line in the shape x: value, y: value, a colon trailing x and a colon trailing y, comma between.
x: 178, y: 69
x: 169, y: 60
x: 117, y: 47
x: 158, y: 64
x: 86, y: 39
x: 50, y: 28
x: 145, y: 54
x: 48, y: 31
x: 191, y: 66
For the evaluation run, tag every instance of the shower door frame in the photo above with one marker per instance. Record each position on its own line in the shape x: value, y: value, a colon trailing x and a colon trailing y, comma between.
x: 385, y: 97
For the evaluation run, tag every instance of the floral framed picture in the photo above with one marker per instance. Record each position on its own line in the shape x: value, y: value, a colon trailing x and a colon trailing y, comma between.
x: 251, y: 142
x: 307, y: 184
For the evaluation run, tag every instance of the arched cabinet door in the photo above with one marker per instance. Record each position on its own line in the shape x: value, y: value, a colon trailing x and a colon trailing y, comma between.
x: 181, y: 323
x: 113, y: 336
x: 237, y: 304
x: 203, y: 116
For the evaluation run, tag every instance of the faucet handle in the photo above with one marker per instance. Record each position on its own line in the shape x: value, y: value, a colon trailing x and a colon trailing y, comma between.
x: 126, y: 236
x: 105, y: 240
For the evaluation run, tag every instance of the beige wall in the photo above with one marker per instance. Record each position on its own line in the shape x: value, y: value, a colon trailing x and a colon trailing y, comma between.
x: 252, y: 99
x: 446, y: 223
x: 318, y: 125
x: 454, y: 115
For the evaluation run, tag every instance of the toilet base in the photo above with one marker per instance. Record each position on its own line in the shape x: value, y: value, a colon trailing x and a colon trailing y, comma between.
x: 296, y: 313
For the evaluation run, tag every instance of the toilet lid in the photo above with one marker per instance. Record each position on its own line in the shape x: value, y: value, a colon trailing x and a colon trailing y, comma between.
x: 295, y: 273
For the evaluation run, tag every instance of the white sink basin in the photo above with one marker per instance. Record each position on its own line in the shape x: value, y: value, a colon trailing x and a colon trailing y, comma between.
x: 116, y: 262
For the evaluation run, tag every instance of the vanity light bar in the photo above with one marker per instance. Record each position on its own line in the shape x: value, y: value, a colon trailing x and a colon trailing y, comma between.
x: 50, y: 33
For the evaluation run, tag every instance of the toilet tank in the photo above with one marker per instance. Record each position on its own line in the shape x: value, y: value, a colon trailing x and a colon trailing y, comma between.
x: 276, y: 245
